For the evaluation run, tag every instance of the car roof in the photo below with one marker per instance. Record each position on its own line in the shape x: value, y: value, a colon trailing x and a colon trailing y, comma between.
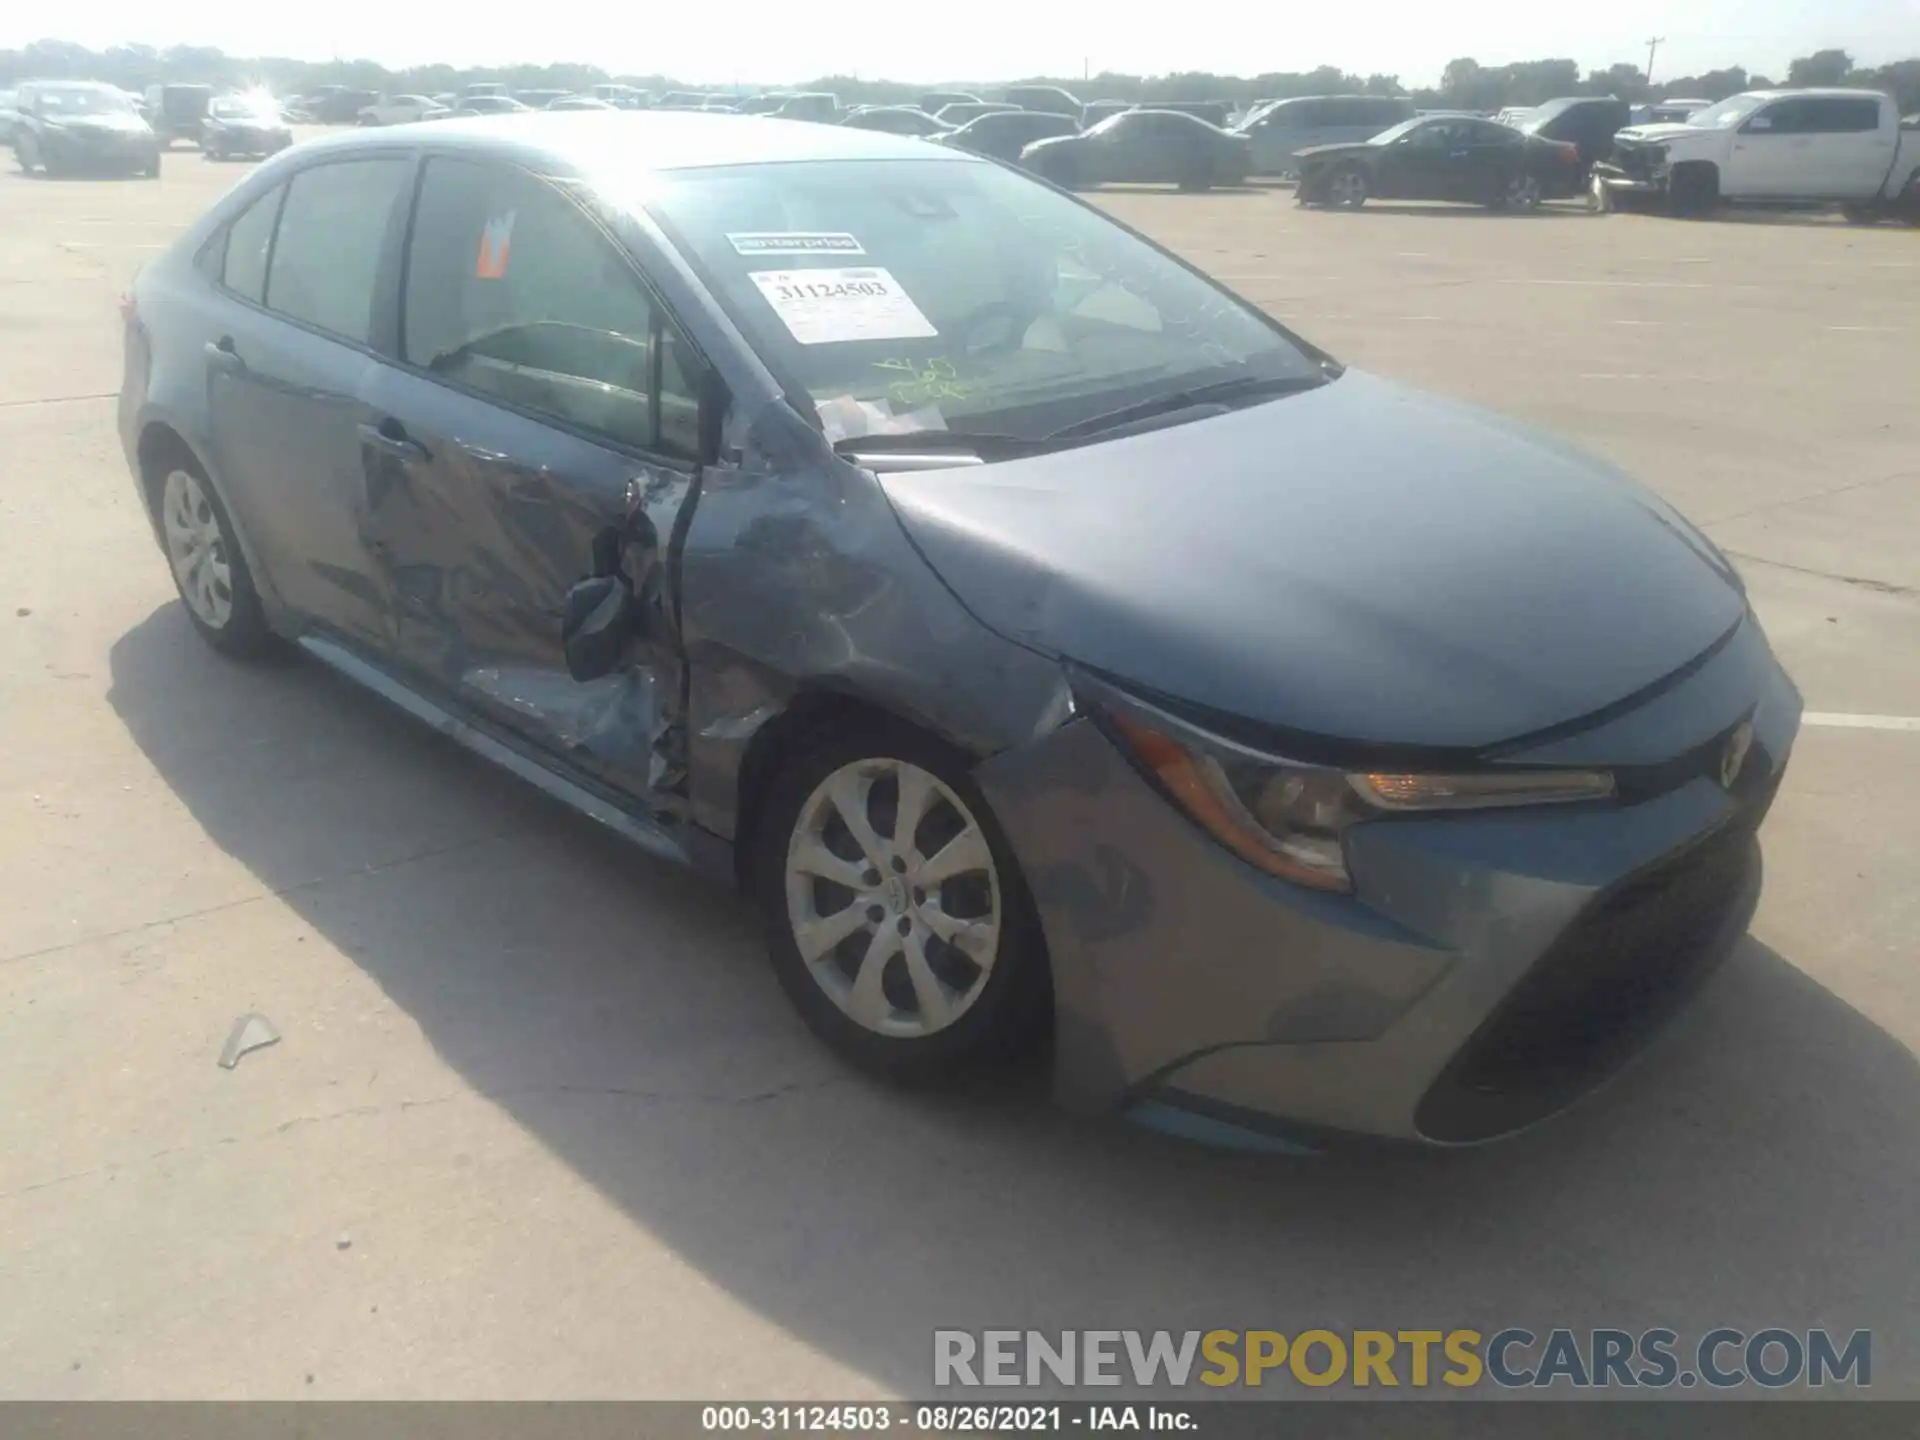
x: 645, y: 140
x: 1822, y: 92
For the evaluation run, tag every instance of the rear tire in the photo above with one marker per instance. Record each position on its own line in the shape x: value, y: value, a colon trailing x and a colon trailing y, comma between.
x: 1519, y: 194
x: 1862, y: 214
x: 923, y: 960
x: 1062, y: 171
x: 209, y: 569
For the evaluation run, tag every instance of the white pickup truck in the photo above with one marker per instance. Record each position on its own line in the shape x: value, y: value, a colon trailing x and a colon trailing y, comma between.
x: 1773, y: 147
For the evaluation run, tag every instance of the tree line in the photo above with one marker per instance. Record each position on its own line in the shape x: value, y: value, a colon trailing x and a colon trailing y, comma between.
x: 1465, y: 84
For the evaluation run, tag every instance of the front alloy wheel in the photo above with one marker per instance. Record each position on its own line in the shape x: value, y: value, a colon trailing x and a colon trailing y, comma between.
x: 893, y: 898
x: 898, y: 923
x: 1348, y: 188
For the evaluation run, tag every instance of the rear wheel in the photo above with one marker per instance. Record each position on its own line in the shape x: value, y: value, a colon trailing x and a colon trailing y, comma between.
x: 208, y: 569
x: 1061, y: 170
x: 1521, y: 193
x: 1861, y: 214
x: 897, y: 921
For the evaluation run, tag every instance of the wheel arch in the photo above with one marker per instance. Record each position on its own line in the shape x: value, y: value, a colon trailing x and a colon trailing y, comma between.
x: 814, y: 710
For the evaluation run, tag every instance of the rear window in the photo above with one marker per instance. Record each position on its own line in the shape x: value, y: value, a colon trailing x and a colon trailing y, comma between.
x: 249, y: 240
x: 917, y: 294
x: 326, y: 254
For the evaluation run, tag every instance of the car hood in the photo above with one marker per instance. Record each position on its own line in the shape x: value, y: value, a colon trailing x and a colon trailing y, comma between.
x: 1317, y: 152
x: 1359, y: 562
x: 1658, y: 134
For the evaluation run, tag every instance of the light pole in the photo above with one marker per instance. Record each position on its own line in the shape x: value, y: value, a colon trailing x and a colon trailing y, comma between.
x: 1653, y: 45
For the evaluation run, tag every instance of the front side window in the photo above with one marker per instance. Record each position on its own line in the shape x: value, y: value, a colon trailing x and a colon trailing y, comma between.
x: 512, y: 290
x: 957, y: 296
x: 1728, y: 113
x: 326, y: 253
x: 249, y: 241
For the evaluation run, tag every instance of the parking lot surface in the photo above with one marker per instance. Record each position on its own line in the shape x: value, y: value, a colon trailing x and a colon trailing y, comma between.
x: 541, y: 1123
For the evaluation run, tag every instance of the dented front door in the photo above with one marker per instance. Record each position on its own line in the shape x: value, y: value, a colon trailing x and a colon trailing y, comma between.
x: 481, y: 521
x: 537, y: 409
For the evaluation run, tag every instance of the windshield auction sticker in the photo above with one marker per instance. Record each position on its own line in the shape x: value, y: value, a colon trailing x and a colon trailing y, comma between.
x: 826, y: 307
x: 798, y: 242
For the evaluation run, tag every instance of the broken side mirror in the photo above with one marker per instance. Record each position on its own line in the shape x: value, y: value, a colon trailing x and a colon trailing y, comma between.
x: 600, y: 619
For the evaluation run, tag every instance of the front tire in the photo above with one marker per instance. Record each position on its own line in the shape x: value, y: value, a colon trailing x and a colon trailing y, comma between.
x: 897, y: 920
x: 209, y: 571
x: 1694, y: 191
x: 1348, y: 187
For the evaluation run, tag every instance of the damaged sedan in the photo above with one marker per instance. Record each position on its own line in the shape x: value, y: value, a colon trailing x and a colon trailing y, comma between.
x: 1061, y: 653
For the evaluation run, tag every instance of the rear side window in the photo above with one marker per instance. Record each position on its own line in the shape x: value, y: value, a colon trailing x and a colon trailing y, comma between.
x: 512, y: 290
x: 1840, y: 116
x: 249, y: 241
x: 326, y: 254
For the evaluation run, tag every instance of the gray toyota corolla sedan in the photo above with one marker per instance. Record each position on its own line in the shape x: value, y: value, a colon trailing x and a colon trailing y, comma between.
x: 1057, y: 649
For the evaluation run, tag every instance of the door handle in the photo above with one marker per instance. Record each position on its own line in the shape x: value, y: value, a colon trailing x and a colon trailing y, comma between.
x: 390, y: 437
x: 223, y: 358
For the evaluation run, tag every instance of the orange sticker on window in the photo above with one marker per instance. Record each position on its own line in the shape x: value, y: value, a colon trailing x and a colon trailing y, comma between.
x: 495, y: 240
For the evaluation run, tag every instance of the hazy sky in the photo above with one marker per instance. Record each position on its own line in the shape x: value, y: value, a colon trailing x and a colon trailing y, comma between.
x: 760, y: 41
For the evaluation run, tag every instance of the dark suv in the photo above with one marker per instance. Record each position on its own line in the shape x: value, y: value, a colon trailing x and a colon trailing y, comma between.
x: 1585, y: 122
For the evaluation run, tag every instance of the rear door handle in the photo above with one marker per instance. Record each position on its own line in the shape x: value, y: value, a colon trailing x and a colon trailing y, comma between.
x: 223, y: 358
x: 390, y: 438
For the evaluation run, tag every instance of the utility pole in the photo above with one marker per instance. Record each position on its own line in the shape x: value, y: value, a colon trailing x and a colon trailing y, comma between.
x: 1653, y: 44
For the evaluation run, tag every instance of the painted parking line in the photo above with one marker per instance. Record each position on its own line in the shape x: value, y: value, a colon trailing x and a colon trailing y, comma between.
x: 1860, y: 722
x: 1634, y: 284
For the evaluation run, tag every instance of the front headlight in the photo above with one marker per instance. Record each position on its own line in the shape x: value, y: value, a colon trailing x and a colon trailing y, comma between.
x: 1290, y: 819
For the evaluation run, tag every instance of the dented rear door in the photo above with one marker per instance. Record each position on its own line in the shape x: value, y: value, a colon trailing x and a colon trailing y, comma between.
x: 538, y: 406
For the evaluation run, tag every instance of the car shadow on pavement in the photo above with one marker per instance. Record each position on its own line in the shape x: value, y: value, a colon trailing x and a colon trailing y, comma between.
x: 1439, y: 211
x: 1757, y: 1168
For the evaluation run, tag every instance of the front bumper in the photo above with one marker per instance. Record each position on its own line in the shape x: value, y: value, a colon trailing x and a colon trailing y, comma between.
x: 241, y: 140
x: 1488, y: 969
x: 81, y: 151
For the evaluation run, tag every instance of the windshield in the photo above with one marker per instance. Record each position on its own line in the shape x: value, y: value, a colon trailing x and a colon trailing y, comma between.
x: 244, y: 107
x: 906, y: 295
x: 83, y: 100
x: 1530, y: 121
x: 1727, y: 113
